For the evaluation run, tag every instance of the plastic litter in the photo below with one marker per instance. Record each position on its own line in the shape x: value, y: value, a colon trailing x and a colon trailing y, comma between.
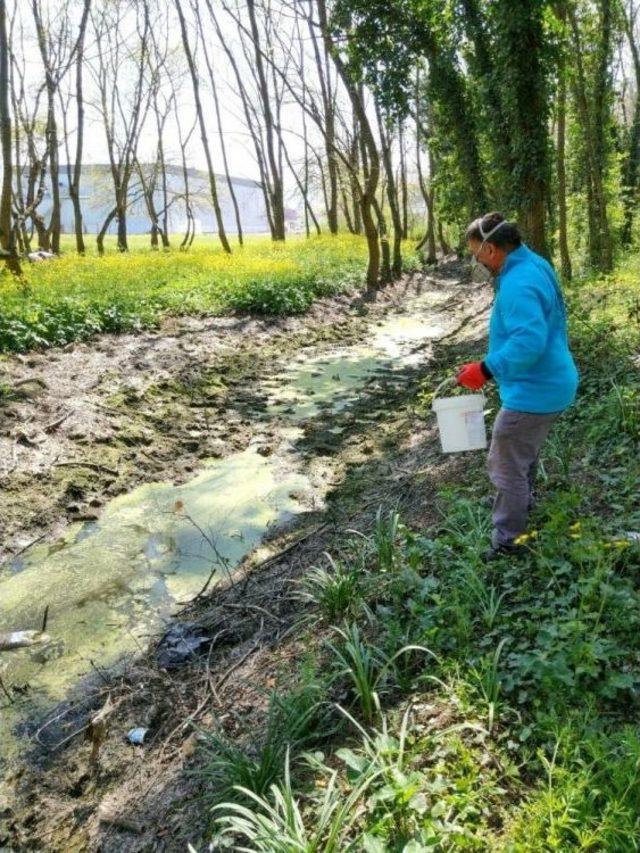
x: 137, y: 735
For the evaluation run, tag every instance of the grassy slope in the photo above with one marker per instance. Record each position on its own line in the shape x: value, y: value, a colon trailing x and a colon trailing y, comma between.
x: 483, y: 707
x: 73, y: 298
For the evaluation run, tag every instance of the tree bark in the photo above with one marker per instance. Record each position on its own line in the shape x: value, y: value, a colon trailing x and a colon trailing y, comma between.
x: 203, y: 130
x: 7, y: 242
x: 429, y: 238
x: 216, y: 104
x: 103, y: 230
x: 392, y: 194
x: 52, y: 82
x: 591, y: 118
x: 631, y: 165
x: 74, y: 180
x: 369, y: 155
x: 565, y: 259
x: 328, y: 103
x: 277, y: 188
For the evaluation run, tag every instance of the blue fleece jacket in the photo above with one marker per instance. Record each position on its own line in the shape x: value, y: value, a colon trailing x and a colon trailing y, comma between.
x: 529, y: 354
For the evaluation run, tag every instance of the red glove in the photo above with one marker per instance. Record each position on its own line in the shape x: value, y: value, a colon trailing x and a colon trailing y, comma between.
x: 473, y: 375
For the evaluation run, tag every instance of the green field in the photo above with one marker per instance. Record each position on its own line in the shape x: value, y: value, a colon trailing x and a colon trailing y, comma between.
x: 73, y: 298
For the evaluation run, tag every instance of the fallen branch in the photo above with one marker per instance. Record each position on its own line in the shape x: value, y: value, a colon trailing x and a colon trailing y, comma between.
x: 101, y: 468
x: 53, y: 426
x: 35, y: 380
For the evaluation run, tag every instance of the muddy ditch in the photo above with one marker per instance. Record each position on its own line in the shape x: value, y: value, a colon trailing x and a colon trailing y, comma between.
x: 324, y: 434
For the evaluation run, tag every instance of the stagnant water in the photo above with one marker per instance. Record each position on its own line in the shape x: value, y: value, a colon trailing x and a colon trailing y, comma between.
x: 110, y: 584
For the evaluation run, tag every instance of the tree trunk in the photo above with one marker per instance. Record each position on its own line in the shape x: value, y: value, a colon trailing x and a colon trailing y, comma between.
x: 445, y: 248
x: 429, y: 238
x: 565, y: 259
x: 103, y: 230
x: 203, y: 131
x: 600, y: 244
x: 404, y: 191
x: 631, y: 166
x: 328, y: 105
x: 51, y: 130
x: 277, y: 189
x: 7, y: 242
x: 74, y: 181
x: 123, y: 245
x: 371, y: 168
x: 392, y: 195
x: 216, y: 105
x: 354, y: 161
x: 305, y: 195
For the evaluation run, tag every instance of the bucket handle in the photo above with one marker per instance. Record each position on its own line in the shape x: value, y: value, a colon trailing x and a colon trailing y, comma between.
x: 450, y: 380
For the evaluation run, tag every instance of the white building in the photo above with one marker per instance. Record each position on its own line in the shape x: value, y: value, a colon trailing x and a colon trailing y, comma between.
x: 97, y: 200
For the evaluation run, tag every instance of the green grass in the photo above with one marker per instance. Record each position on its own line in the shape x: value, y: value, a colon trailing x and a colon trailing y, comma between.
x: 74, y: 298
x: 518, y: 730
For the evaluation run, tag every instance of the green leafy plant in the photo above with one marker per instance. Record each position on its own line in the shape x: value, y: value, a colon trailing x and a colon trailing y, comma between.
x: 294, y: 720
x: 368, y: 667
x: 385, y: 538
x: 276, y: 824
x: 337, y: 592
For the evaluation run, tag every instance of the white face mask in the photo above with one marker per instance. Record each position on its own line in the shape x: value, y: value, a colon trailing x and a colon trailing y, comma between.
x: 479, y: 273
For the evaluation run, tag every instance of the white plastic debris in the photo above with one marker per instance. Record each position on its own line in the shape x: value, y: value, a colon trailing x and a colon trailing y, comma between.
x: 137, y: 735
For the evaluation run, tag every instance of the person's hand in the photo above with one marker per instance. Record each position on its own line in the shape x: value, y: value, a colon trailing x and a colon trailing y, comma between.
x: 473, y: 375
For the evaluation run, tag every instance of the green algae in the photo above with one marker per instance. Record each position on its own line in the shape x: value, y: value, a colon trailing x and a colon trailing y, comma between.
x: 109, y: 584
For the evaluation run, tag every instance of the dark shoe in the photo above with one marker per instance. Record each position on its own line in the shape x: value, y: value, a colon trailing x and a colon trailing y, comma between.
x: 500, y: 551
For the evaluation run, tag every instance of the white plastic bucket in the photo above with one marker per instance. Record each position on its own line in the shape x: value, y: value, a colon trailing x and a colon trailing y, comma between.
x: 460, y: 421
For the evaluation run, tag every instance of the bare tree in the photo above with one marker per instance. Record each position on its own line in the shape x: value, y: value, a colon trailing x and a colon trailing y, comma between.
x: 392, y: 190
x: 368, y: 152
x: 328, y: 95
x: 203, y: 128
x: 270, y: 99
x: 7, y: 240
x: 123, y: 108
x: 252, y: 120
x: 74, y: 171
x: 216, y: 103
x: 57, y: 51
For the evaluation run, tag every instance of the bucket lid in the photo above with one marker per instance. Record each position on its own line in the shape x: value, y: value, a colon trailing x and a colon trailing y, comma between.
x: 468, y: 402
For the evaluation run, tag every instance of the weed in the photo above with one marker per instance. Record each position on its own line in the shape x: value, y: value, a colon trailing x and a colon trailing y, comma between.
x: 336, y: 592
x: 277, y: 825
x: 368, y: 667
x: 385, y: 539
x: 293, y: 720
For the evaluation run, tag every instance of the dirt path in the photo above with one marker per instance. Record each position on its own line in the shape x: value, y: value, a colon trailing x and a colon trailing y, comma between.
x: 140, y: 408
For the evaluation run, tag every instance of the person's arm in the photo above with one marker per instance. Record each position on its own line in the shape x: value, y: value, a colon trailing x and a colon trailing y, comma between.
x: 527, y: 330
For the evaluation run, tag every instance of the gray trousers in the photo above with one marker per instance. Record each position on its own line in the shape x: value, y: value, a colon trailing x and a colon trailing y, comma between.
x: 513, y: 462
